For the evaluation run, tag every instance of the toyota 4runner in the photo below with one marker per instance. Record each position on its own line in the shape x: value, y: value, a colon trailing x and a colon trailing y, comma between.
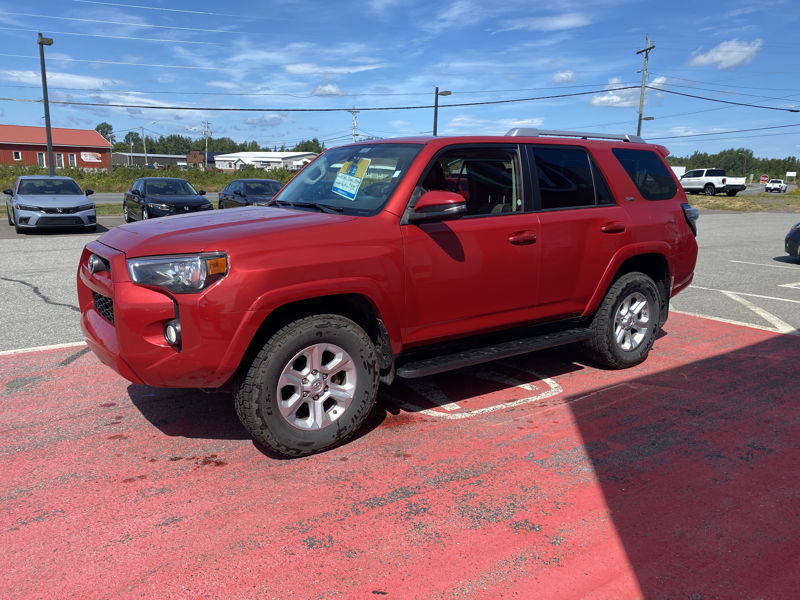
x: 395, y: 258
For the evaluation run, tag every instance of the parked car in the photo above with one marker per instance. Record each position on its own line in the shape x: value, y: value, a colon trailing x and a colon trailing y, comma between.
x: 151, y: 197
x: 373, y: 265
x: 711, y: 182
x: 39, y: 201
x: 792, y: 242
x: 776, y: 185
x: 246, y: 192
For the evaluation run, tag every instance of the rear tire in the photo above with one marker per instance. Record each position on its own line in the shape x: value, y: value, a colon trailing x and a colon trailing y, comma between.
x: 732, y: 193
x: 624, y: 327
x: 285, y: 401
x: 710, y: 190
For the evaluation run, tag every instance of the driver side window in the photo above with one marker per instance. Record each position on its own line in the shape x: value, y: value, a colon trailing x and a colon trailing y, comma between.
x: 487, y: 177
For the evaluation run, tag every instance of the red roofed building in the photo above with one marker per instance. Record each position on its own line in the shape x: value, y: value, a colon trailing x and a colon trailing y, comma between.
x: 82, y: 148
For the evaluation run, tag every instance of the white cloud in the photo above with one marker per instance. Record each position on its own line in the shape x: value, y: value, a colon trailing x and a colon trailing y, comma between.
x: 563, y: 77
x: 460, y: 13
x: 225, y: 85
x: 266, y: 120
x: 619, y: 98
x: 312, y: 69
x: 56, y: 79
x: 555, y: 23
x: 381, y: 6
x: 727, y: 55
x: 327, y: 89
x: 472, y: 125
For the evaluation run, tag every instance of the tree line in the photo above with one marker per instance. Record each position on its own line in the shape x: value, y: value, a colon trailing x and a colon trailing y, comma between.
x: 738, y: 162
x: 180, y: 144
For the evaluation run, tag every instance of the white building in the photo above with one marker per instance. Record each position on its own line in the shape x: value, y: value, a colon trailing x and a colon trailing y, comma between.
x: 263, y: 160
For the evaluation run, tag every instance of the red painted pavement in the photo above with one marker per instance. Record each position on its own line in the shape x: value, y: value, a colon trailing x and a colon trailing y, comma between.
x: 533, y: 478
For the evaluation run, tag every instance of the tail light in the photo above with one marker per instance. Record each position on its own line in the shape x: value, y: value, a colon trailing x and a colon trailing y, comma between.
x: 691, y: 214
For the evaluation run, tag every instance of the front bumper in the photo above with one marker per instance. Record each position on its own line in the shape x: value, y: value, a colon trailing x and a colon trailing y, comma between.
x: 792, y: 243
x: 29, y: 219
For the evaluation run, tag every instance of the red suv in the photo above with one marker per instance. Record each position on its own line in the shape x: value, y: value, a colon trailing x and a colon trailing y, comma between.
x: 399, y: 257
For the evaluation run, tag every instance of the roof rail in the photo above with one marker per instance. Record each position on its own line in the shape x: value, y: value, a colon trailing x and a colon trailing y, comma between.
x: 531, y: 132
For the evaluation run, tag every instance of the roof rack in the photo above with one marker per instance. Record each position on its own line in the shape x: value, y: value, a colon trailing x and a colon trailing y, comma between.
x: 531, y: 132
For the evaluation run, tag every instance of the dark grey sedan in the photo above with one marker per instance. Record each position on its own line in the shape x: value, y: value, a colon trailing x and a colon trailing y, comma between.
x: 151, y: 197
x: 248, y: 192
x: 40, y: 201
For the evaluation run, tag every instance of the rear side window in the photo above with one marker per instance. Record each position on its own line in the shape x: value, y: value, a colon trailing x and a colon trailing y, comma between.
x: 568, y: 178
x: 648, y: 172
x: 715, y: 173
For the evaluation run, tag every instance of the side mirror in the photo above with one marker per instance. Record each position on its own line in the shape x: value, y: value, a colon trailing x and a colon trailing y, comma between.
x: 8, y: 192
x: 88, y: 192
x: 136, y: 192
x: 201, y: 192
x: 437, y: 205
x: 238, y: 193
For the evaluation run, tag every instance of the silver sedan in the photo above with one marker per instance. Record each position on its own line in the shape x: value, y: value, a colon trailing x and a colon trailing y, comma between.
x: 38, y: 201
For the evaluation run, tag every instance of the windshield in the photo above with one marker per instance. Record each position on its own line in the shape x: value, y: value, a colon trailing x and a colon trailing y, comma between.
x: 262, y: 188
x: 56, y: 187
x: 169, y: 187
x: 356, y: 179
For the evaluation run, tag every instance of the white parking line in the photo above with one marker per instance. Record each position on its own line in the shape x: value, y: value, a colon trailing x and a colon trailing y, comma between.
x: 744, y: 262
x: 780, y: 325
x: 41, y: 348
x: 697, y: 287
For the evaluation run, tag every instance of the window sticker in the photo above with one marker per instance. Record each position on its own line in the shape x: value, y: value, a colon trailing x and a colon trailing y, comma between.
x: 349, y: 178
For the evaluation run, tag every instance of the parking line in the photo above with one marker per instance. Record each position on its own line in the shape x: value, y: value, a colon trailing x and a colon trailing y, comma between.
x: 41, y: 348
x: 779, y: 324
x: 744, y: 262
x: 697, y: 287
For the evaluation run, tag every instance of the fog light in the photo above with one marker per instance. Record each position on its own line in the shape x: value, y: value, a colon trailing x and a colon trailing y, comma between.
x: 172, y: 332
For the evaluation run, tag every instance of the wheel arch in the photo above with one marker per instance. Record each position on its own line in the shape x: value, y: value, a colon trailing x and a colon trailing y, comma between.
x: 357, y: 307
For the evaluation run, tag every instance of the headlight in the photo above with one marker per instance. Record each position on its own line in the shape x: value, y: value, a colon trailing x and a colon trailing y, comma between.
x: 184, y: 274
x: 159, y: 206
x: 795, y: 227
x: 26, y: 207
x: 86, y: 207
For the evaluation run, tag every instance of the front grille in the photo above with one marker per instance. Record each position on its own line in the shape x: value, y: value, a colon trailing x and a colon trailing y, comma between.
x: 59, y: 221
x: 59, y: 211
x: 104, y: 306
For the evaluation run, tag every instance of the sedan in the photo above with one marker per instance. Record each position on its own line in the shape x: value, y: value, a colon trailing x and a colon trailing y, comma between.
x: 151, y: 197
x: 792, y: 242
x: 38, y: 201
x: 248, y: 192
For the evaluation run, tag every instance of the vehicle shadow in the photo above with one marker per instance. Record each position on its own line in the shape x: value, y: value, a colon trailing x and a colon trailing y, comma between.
x: 63, y: 231
x: 700, y: 470
x: 195, y: 414
x: 787, y: 260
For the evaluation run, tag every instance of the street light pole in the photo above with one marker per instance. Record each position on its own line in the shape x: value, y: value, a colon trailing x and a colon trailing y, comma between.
x: 43, y: 41
x: 436, y: 95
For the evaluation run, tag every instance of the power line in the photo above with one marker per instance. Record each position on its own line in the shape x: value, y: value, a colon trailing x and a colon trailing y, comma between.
x: 793, y: 110
x: 689, y: 135
x: 112, y: 62
x: 116, y: 37
x: 194, y: 12
x: 120, y: 23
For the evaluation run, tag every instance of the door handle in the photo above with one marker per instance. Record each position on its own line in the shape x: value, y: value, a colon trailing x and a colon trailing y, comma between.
x: 522, y: 238
x: 613, y: 227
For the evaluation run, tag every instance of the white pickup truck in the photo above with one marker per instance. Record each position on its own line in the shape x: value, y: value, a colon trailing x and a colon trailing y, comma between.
x: 711, y: 182
x: 776, y: 185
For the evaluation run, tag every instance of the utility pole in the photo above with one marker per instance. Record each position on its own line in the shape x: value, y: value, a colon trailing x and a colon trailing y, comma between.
x: 647, y: 47
x: 206, y: 133
x: 43, y: 41
x: 354, y: 112
x: 144, y: 145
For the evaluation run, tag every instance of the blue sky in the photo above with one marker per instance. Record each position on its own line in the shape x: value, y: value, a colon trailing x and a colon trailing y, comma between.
x: 393, y: 53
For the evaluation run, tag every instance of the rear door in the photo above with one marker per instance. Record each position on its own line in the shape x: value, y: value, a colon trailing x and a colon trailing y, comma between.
x: 581, y: 226
x: 480, y: 271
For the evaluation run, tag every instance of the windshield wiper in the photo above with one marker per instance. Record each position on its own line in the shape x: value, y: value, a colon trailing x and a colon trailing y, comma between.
x: 327, y: 208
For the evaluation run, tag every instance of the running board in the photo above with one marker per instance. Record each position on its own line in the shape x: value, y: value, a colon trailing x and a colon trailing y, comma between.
x: 468, y: 358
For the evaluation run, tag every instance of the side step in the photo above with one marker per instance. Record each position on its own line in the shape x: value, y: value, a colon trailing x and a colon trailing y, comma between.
x: 468, y: 358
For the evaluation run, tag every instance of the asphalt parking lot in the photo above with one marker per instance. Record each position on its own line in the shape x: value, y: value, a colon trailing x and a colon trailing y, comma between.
x: 537, y: 477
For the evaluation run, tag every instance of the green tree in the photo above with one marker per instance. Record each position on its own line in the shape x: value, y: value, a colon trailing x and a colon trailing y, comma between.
x: 106, y: 130
x: 309, y: 146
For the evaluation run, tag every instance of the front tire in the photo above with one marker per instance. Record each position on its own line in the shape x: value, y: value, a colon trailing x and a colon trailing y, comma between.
x: 311, y: 386
x: 126, y: 215
x: 145, y: 213
x: 624, y: 327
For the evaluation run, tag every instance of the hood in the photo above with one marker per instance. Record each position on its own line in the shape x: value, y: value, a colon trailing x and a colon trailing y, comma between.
x: 187, y: 200
x: 46, y: 200
x: 219, y: 230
